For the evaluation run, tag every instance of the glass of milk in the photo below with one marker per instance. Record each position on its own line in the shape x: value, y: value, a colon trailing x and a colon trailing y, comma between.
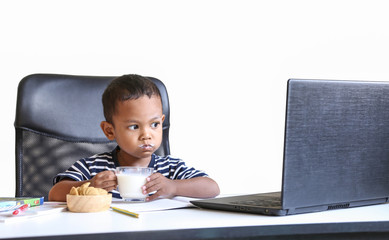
x: 130, y: 182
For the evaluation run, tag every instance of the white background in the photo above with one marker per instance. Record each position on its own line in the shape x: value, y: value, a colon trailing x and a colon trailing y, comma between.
x: 225, y: 64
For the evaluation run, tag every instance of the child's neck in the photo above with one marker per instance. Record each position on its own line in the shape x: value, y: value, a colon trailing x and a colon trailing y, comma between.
x: 139, y: 162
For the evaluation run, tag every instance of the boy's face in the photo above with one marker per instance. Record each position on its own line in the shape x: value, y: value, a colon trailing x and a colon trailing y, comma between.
x: 137, y: 128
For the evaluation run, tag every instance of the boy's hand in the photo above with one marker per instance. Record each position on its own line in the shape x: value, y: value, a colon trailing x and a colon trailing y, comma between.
x: 162, y: 186
x: 106, y: 180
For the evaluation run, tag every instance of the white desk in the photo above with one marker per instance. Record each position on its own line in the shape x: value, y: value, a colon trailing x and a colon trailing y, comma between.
x: 192, y: 223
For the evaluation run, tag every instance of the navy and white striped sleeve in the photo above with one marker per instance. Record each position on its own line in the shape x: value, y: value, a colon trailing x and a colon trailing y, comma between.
x: 87, y: 168
x: 175, y: 168
x: 79, y: 171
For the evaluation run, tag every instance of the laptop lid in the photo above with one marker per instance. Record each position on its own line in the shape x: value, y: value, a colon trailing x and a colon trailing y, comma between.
x: 336, y: 150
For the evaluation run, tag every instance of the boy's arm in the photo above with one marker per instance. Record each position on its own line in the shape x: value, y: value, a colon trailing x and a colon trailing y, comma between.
x: 106, y: 180
x: 198, y: 187
x: 59, y: 190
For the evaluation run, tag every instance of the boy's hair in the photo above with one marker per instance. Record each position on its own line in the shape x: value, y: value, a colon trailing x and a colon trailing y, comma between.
x: 126, y: 87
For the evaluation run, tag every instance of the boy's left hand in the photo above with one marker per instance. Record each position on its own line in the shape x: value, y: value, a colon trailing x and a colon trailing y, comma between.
x: 162, y: 186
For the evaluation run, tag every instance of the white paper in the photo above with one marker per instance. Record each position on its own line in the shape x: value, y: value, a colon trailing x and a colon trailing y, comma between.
x: 32, y: 212
x: 156, y: 205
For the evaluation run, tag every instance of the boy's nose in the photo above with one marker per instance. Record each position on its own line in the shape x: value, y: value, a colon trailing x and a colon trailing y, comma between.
x: 145, y: 135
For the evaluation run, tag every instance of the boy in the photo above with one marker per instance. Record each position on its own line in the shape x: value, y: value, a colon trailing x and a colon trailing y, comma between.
x: 133, y: 112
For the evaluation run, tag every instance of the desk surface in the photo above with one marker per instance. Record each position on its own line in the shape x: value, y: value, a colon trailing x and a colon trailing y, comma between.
x: 194, y: 223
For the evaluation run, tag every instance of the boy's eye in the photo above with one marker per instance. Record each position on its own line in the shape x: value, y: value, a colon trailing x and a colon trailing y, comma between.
x: 154, y: 124
x: 133, y: 127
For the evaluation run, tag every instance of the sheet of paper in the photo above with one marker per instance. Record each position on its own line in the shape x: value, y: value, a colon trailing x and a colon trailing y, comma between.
x: 32, y: 212
x: 156, y: 205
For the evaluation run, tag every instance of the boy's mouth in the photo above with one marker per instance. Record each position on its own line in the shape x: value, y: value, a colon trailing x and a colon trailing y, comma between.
x: 149, y: 146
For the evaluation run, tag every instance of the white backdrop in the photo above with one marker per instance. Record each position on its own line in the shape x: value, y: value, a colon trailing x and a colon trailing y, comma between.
x: 225, y: 64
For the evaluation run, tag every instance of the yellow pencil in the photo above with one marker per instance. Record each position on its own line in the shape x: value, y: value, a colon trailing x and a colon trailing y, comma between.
x: 119, y: 210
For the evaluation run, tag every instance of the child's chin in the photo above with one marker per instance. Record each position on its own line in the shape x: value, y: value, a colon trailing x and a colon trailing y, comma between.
x: 145, y: 154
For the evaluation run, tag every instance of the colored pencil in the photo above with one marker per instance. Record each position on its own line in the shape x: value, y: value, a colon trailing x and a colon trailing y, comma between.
x: 123, y: 211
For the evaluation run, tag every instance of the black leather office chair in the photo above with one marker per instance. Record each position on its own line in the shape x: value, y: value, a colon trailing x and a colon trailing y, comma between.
x: 58, y: 122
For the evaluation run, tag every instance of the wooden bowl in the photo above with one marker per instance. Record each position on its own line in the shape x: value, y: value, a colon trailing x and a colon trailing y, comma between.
x: 88, y: 203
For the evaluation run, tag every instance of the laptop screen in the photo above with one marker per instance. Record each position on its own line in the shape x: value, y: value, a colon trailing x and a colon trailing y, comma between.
x: 336, y: 142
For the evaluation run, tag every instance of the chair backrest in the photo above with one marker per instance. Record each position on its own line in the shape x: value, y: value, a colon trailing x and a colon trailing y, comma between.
x: 58, y: 122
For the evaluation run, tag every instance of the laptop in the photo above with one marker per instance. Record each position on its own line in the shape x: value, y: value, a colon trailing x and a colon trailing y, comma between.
x: 336, y: 150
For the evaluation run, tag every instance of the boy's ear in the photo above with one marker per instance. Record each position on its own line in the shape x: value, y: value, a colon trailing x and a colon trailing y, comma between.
x: 163, y: 117
x: 108, y: 130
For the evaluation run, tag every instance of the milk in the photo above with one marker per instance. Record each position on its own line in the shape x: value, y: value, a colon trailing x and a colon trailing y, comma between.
x: 130, y: 185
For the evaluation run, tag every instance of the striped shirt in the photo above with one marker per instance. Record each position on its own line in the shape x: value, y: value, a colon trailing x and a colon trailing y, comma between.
x: 87, y: 168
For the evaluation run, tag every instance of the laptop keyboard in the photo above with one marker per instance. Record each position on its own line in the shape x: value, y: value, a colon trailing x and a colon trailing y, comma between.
x: 265, y: 202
